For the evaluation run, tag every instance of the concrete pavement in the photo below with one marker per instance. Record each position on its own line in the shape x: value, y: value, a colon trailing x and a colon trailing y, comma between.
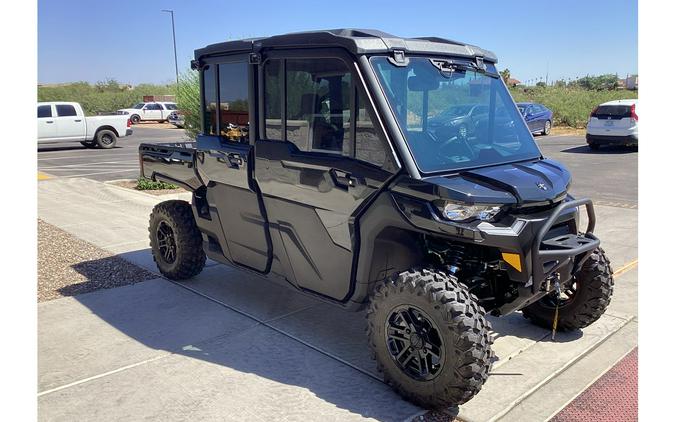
x: 231, y: 345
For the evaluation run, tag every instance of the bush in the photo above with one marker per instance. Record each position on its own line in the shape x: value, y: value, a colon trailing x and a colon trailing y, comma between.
x: 571, y: 106
x: 189, y: 102
x: 103, y: 97
x: 147, y: 184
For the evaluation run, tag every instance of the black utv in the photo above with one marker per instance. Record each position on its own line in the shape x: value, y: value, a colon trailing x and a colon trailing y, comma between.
x: 318, y: 167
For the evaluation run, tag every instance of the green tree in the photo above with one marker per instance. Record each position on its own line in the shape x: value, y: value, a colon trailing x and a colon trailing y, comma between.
x: 506, y: 75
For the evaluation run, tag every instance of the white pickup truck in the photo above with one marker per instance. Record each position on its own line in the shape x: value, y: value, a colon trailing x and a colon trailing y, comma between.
x: 61, y: 122
x: 158, y: 111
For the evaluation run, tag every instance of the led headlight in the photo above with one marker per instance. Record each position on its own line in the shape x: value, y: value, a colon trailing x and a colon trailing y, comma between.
x: 461, y: 212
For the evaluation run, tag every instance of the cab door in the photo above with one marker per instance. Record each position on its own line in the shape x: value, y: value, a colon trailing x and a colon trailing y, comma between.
x: 152, y: 111
x: 46, y: 123
x: 226, y: 164
x: 70, y: 124
x: 316, y: 167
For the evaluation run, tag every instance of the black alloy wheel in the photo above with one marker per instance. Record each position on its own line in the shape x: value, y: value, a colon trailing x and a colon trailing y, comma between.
x: 166, y: 242
x: 414, y: 343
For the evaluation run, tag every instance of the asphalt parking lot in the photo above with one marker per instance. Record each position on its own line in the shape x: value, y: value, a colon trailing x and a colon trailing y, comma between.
x: 121, y: 162
x: 608, y: 176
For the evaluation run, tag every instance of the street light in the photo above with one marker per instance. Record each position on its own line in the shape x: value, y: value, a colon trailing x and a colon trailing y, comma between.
x: 175, y: 57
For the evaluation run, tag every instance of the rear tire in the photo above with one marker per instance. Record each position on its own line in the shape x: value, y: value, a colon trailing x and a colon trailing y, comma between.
x: 594, y: 285
x: 105, y: 139
x: 547, y: 128
x: 445, y: 333
x: 176, y: 241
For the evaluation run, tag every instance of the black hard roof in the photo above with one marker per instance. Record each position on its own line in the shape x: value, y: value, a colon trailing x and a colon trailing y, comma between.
x: 357, y: 41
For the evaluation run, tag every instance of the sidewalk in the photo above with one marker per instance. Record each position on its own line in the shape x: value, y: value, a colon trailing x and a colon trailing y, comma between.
x: 231, y: 345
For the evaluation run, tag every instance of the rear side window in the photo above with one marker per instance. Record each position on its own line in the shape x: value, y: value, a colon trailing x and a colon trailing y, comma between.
x: 209, y: 106
x: 233, y: 103
x: 612, y: 112
x: 65, y: 110
x: 44, y: 111
x: 170, y: 106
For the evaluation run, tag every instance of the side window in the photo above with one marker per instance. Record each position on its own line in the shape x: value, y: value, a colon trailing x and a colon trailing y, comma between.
x: 44, y: 111
x: 273, y: 81
x: 369, y: 145
x: 318, y: 94
x: 154, y: 106
x: 233, y: 106
x: 209, y: 106
x: 170, y: 106
x: 65, y: 110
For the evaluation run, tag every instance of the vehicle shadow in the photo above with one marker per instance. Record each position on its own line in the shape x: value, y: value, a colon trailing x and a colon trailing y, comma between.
x: 69, y: 147
x: 254, y: 315
x: 585, y: 149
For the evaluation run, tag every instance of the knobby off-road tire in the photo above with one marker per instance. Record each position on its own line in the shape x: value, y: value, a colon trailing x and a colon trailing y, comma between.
x: 176, y: 241
x: 592, y: 294
x: 452, y: 312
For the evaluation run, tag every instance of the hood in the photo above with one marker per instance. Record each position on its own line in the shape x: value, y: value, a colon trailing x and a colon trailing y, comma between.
x: 517, y: 183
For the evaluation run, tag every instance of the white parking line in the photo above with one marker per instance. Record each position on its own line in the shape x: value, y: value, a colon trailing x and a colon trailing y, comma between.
x: 87, y: 156
x: 101, y: 172
x: 129, y: 162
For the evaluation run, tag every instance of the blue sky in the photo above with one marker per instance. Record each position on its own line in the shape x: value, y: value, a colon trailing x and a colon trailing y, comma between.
x: 131, y: 40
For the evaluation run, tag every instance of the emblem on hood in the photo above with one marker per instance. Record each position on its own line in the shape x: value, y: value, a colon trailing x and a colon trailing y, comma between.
x: 542, y: 186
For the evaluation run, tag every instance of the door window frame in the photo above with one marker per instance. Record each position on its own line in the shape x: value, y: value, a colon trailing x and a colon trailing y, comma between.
x: 214, y: 62
x: 358, y: 90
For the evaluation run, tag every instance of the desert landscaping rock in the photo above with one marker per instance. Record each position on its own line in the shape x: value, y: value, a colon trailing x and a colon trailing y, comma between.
x: 68, y: 266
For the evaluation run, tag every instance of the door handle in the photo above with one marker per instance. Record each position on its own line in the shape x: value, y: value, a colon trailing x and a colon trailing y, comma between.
x: 78, y: 120
x: 49, y: 121
x: 342, y: 179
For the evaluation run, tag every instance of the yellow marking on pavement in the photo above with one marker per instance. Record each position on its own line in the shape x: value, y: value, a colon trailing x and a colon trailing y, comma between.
x: 513, y: 259
x: 626, y: 268
x: 43, y: 176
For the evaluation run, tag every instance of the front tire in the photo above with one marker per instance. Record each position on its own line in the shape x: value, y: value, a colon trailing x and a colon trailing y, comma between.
x: 106, y: 139
x: 584, y: 301
x: 430, y: 338
x: 135, y: 119
x: 176, y: 241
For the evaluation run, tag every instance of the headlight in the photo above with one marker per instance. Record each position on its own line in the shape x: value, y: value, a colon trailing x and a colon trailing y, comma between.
x: 461, y: 212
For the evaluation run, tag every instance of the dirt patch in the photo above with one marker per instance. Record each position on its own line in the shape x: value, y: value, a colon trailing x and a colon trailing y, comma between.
x: 132, y: 184
x: 68, y: 266
x: 567, y: 131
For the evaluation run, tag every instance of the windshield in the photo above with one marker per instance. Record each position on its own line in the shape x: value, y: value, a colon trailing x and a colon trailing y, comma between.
x: 139, y: 106
x: 454, y: 116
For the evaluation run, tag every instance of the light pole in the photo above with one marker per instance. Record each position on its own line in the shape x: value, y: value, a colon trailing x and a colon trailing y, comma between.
x: 175, y: 57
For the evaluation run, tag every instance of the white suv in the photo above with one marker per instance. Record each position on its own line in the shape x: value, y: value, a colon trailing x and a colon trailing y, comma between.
x: 158, y: 111
x: 613, y: 123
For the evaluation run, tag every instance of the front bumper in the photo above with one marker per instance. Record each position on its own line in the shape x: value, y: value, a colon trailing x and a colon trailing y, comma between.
x: 611, y: 140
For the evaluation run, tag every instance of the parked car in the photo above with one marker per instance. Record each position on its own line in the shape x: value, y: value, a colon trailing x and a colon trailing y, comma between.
x: 538, y: 118
x: 155, y: 111
x: 464, y: 118
x: 613, y: 123
x: 63, y: 122
x: 177, y: 119
x: 357, y: 202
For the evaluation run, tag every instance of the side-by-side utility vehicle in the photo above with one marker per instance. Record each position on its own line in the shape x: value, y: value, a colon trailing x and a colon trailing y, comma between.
x: 318, y: 167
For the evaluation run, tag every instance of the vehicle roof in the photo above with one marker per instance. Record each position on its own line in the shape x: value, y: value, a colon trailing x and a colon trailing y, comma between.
x: 356, y: 41
x: 621, y: 102
x: 58, y: 102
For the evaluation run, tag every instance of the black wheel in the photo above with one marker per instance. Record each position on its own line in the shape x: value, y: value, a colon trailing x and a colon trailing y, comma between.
x: 88, y: 144
x: 593, y: 146
x: 135, y: 118
x: 430, y: 338
x: 176, y: 241
x: 105, y: 139
x: 547, y: 128
x: 582, y: 302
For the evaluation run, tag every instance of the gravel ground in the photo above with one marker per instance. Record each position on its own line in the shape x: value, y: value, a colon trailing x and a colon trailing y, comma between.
x: 68, y: 266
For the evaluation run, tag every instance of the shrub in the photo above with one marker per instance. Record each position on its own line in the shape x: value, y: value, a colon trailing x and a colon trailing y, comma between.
x: 571, y: 106
x: 147, y: 184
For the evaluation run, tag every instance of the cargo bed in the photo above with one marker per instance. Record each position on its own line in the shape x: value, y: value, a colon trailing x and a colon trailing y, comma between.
x: 172, y: 163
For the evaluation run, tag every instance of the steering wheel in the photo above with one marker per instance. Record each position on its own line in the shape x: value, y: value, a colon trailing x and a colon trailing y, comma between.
x: 447, y: 136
